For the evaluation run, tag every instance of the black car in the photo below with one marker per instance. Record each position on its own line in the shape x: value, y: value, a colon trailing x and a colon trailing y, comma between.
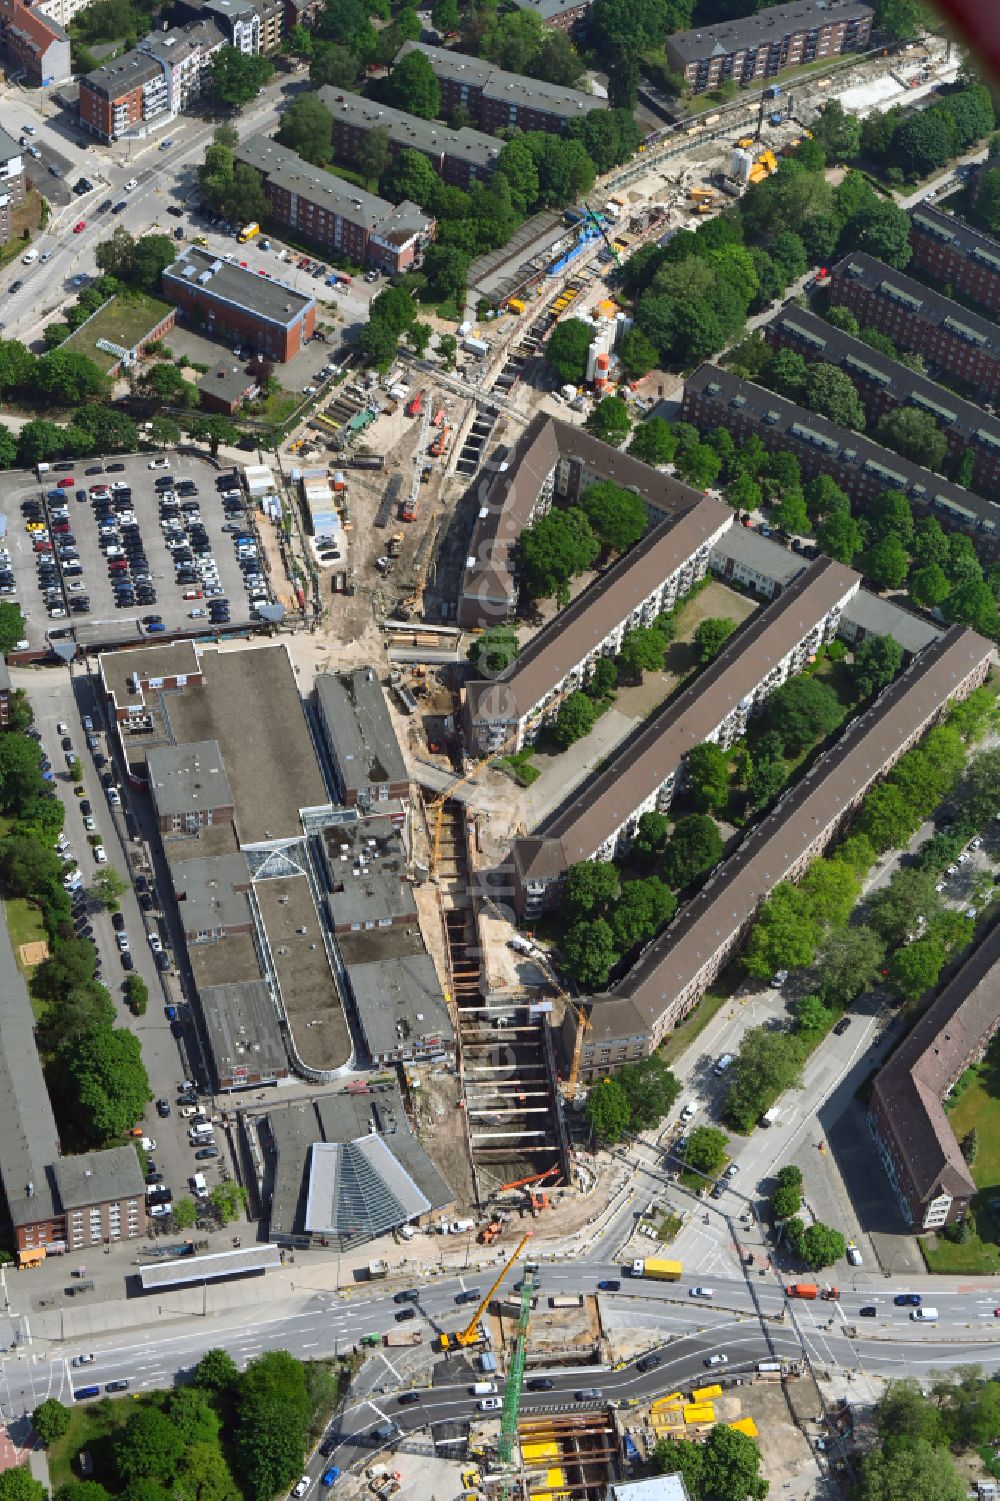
x: 85, y: 809
x: 145, y: 901
x: 15, y: 286
x: 609, y: 1285
x: 127, y: 961
x: 203, y: 1154
x: 404, y: 1314
x: 187, y: 1097
x: 152, y: 1178
x: 116, y: 468
x: 102, y: 210
x: 541, y: 1384
x: 120, y: 206
x: 118, y: 921
x: 177, y: 213
x: 842, y: 1026
x: 163, y: 1108
x: 868, y: 1312
x: 647, y: 1363
x: 116, y: 1386
x: 328, y: 1445
x: 717, y: 1190
x: 408, y: 1295
x: 407, y: 1399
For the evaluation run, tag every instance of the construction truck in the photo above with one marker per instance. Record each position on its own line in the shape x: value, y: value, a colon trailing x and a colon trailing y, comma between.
x: 697, y: 193
x: 415, y: 407
x: 395, y: 545
x: 377, y: 1270
x: 440, y: 443
x: 475, y: 1332
x: 807, y: 1290
x: 490, y: 1232
x: 403, y: 1337
x: 408, y: 510
x: 248, y: 232
x: 657, y: 1268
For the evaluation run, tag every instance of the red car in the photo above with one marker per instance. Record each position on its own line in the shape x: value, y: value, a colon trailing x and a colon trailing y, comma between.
x: 80, y: 227
x: 43, y: 547
x: 67, y: 483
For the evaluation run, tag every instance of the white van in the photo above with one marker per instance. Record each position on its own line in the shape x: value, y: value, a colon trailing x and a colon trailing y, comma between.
x: 202, y: 1132
x: 484, y: 1389
x: 198, y: 1184
x: 29, y: 257
x: 924, y: 1315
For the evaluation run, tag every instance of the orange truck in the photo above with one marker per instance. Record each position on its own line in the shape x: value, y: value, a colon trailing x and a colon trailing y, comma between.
x: 802, y: 1290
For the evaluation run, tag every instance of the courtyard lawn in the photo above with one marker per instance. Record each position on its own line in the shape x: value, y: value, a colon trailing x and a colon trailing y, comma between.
x: 978, y: 1106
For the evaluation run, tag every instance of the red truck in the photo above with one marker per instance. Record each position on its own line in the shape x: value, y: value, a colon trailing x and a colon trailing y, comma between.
x: 802, y: 1290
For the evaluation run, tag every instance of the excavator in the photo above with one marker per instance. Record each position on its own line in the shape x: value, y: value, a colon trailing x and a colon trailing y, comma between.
x: 471, y: 1334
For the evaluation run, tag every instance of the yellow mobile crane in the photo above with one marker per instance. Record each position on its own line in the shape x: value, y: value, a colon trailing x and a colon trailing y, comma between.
x: 470, y: 1334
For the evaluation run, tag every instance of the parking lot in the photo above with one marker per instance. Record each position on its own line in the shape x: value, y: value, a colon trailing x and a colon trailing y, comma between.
x: 127, y: 549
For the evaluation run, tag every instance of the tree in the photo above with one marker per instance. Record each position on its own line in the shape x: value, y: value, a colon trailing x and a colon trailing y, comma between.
x: 373, y: 154
x: 106, y: 887
x: 203, y: 1475
x: 603, y: 680
x: 577, y: 715
x: 68, y: 378
x: 969, y: 1146
x: 229, y: 1200
x: 767, y: 1064
x: 589, y: 952
x: 608, y: 1112
x: 832, y: 393
x: 711, y: 636
x: 136, y: 994
x: 694, y: 847
x: 50, y: 1420
x: 609, y: 421
x: 642, y: 651
x: 706, y: 773
x: 20, y: 773
x: 849, y: 962
x: 638, y: 354
x: 893, y: 910
x: 11, y: 630
x: 447, y: 348
x: 838, y: 132
x: 216, y: 1373
x: 785, y: 372
x: 831, y: 889
x: 185, y: 1212
x: 802, y: 711
x: 494, y: 651
x: 617, y: 517
x: 333, y: 65
x: 881, y: 229
x: 790, y: 513
x: 699, y: 466
x: 653, y: 440
x: 643, y: 908
x: 988, y: 199
x: 650, y: 1089
x: 412, y: 86
x: 732, y: 1466
x: 929, y: 586
x: 307, y: 128
x: 193, y: 1415
x: 973, y: 715
x: 20, y: 1485
x: 916, y: 1471
x: 591, y: 886
x: 876, y: 662
x: 17, y: 365
x: 785, y: 934
x: 786, y: 1196
x: 107, y: 1083
x: 839, y: 536
x: 916, y: 967
x: 765, y: 782
x: 915, y: 435
x: 706, y: 1150
x: 238, y: 76
x: 147, y: 1447
x: 650, y: 835
x: 553, y: 549
x: 817, y: 1245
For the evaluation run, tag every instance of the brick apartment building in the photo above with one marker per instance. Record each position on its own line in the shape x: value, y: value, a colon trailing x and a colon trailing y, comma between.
x: 561, y: 15
x: 884, y: 384
x: 642, y: 777
x: 120, y: 95
x: 921, y: 321
x: 715, y: 398
x: 61, y: 11
x: 460, y: 157
x: 913, y: 1136
x: 35, y: 44
x: 758, y: 46
x: 956, y: 255
x: 251, y: 26
x: 511, y: 711
x: 225, y: 300
x: 12, y: 183
x: 498, y: 100
x: 335, y: 214
x: 677, y: 967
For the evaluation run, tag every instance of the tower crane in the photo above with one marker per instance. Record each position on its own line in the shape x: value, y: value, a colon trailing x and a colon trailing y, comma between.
x: 512, y: 1388
x: 470, y: 1334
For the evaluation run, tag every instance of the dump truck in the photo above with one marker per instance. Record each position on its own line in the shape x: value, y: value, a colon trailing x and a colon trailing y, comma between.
x: 657, y: 1268
x: 395, y: 545
x: 807, y: 1290
x: 408, y: 510
x: 395, y: 1337
x: 415, y: 407
x: 516, y: 306
x: 830, y: 1294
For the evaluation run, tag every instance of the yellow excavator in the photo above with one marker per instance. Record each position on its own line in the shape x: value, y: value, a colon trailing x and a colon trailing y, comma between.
x: 470, y: 1335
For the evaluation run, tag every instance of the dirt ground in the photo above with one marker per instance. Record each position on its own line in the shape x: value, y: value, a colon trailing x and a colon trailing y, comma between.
x: 786, y: 1454
x: 440, y: 1126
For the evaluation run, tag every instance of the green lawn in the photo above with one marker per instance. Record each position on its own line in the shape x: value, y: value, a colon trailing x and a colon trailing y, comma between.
x: 125, y: 321
x: 979, y: 1106
x: 90, y: 1428
x: 24, y: 924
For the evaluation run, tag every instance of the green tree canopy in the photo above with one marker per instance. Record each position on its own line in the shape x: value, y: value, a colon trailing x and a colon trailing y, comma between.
x: 494, y: 650
x: 651, y: 1090
x: 653, y: 440
x: 617, y: 517
x: 914, y: 434
x: 50, y: 1420
x: 642, y: 650
x: 610, y: 421
x: 706, y: 1150
x: 817, y: 1245
x: 589, y: 952
x: 768, y: 1063
x: 706, y: 771
x: 107, y: 1083
x: 608, y: 1112
x: 553, y: 549
x: 849, y: 961
x: 694, y: 847
x: 916, y: 967
x: 802, y: 711
x: 591, y: 887
x: 238, y: 76
x: 711, y: 636
x: 147, y: 1447
x: 412, y: 86
x: 876, y: 662
x: 307, y: 128
x: 576, y: 718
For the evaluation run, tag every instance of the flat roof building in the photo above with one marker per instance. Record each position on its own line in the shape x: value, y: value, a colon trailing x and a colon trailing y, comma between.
x: 366, y: 870
x: 360, y: 739
x: 949, y: 251
x: 743, y: 556
x: 647, y: 580
x: 947, y: 335
x: 601, y: 817
x: 397, y: 996
x: 884, y: 385
x: 870, y: 614
x: 460, y: 157
x: 237, y: 305
x: 212, y: 895
x: 244, y: 1034
x: 497, y: 100
x: 863, y: 470
x: 929, y: 1177
x: 189, y: 786
x: 355, y: 1194
x: 758, y: 46
x: 678, y: 966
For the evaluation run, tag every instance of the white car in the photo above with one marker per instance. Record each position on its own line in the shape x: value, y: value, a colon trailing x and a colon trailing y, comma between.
x: 156, y: 463
x: 122, y: 941
x: 79, y: 1360
x: 90, y: 824
x: 717, y: 1360
x: 155, y: 944
x: 701, y: 1292
x: 100, y: 854
x: 114, y: 797
x: 62, y: 728
x: 148, y: 1144
x: 131, y: 185
x: 187, y: 1111
x: 688, y: 1114
x: 160, y: 1211
x: 301, y: 1486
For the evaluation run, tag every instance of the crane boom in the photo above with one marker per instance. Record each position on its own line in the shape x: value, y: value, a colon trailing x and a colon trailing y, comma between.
x: 469, y: 1335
